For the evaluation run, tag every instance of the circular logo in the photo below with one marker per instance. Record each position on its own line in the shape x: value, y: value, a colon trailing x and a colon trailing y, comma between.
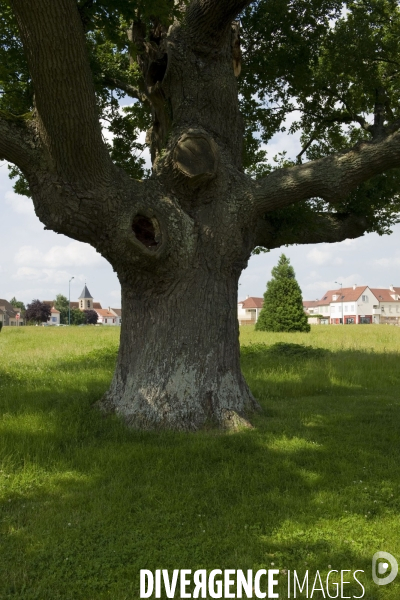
x: 380, y: 568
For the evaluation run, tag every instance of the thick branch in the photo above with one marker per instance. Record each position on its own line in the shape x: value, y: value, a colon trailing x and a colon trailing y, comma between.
x: 16, y: 142
x: 395, y: 126
x: 320, y: 228
x: 54, y: 43
x: 117, y: 84
x: 210, y: 19
x: 343, y: 117
x: 337, y: 117
x: 331, y: 178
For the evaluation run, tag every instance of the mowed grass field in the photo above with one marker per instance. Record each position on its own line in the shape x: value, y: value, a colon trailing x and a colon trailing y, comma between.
x: 85, y: 503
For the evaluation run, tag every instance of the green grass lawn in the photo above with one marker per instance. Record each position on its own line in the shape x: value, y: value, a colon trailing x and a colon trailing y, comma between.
x: 85, y: 503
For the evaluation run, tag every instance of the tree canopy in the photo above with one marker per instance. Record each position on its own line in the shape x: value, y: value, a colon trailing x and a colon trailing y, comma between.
x: 283, y: 303
x: 62, y: 305
x: 325, y: 69
x: 77, y: 317
x: 91, y: 317
x: 17, y: 303
x: 38, y: 312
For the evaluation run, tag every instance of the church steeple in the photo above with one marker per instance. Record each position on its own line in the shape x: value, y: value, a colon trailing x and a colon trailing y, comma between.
x: 85, y: 299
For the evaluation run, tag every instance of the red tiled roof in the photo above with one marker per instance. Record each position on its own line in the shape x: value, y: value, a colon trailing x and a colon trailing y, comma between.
x: 72, y: 304
x: 103, y: 312
x: 310, y: 303
x: 117, y: 311
x: 252, y: 302
x: 343, y: 295
x: 385, y: 295
x: 325, y: 300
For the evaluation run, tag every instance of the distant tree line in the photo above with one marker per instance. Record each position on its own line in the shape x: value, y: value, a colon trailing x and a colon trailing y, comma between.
x: 78, y: 317
x: 38, y: 312
x: 17, y: 304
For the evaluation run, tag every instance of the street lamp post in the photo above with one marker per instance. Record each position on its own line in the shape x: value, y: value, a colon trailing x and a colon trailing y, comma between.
x: 341, y: 297
x: 69, y: 300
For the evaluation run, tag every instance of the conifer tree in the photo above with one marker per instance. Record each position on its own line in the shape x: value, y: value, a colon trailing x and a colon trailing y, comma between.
x: 283, y: 302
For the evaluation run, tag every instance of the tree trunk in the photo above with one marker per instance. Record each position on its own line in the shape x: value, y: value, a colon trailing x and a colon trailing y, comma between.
x: 178, y: 365
x: 180, y: 239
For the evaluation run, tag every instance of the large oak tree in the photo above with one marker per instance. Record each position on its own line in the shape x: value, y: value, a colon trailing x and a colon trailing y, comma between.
x: 180, y: 237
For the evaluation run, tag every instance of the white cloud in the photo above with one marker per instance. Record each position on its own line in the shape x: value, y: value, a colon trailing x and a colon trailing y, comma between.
x: 387, y: 262
x: 27, y: 273
x: 28, y: 294
x: 331, y: 285
x: 312, y: 275
x: 383, y: 262
x: 320, y: 285
x: 115, y: 294
x: 319, y: 257
x: 20, y: 204
x: 350, y: 241
x: 41, y: 275
x: 74, y: 254
x: 114, y: 298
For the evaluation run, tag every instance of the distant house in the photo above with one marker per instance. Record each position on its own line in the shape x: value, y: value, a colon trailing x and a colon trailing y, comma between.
x: 107, y: 317
x: 8, y: 314
x: 55, y: 317
x: 110, y: 316
x: 352, y: 305
x: 357, y: 305
x: 85, y: 302
x: 311, y: 306
x: 118, y: 313
x: 104, y: 316
x: 249, y: 310
x: 387, y: 309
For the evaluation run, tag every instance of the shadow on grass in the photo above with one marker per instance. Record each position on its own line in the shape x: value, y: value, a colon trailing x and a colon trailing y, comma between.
x: 85, y: 503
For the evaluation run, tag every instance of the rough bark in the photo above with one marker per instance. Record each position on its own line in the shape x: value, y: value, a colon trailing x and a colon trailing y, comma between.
x: 320, y: 228
x: 179, y: 240
x: 332, y: 177
x: 210, y: 20
x: 66, y: 111
x: 17, y: 140
x: 159, y: 381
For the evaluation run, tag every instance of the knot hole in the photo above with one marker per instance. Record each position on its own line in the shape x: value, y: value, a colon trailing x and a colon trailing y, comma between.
x: 147, y: 231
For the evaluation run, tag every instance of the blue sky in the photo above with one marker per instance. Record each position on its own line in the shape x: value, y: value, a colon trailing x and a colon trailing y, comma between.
x: 36, y: 263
